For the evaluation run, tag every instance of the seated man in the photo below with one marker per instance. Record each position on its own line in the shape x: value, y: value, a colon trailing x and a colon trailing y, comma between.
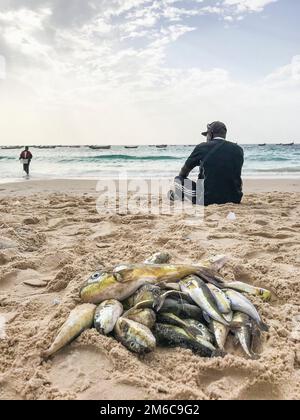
x: 220, y: 165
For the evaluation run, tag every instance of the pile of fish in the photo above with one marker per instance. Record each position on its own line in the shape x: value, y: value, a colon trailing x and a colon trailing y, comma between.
x: 158, y: 303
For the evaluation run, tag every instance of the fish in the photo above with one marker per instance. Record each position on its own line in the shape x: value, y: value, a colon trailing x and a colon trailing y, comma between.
x: 79, y: 320
x: 144, y: 316
x: 174, y: 336
x: 106, y: 316
x: 182, y: 309
x: 245, y: 333
x: 155, y: 273
x: 103, y: 286
x: 192, y: 326
x: 125, y: 280
x: 228, y: 317
x: 252, y: 290
x: 240, y: 303
x: 220, y: 333
x: 149, y: 296
x: 134, y: 336
x: 199, y: 329
x: 159, y: 258
x: 222, y: 300
x: 202, y: 296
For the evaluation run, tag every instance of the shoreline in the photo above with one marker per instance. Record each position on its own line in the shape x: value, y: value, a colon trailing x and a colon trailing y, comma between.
x: 88, y: 186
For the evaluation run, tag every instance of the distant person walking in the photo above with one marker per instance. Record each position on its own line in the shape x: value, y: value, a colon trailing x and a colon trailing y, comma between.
x: 25, y: 158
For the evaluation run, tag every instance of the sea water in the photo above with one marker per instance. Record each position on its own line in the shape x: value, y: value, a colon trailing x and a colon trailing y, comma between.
x: 268, y: 161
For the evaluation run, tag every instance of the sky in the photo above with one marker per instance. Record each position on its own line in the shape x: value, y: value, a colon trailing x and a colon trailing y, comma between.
x: 146, y: 72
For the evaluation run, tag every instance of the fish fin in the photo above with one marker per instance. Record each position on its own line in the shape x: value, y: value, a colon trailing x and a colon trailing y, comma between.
x: 170, y: 286
x: 141, y: 305
x: 209, y: 276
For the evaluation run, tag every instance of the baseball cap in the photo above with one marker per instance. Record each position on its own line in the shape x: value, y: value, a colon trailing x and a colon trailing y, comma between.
x: 216, y: 128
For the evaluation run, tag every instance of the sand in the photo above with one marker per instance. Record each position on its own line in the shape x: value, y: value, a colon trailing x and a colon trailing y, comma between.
x: 52, y: 239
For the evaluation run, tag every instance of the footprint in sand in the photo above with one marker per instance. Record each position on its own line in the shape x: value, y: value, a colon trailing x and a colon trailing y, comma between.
x: 225, y: 384
x: 103, y: 230
x: 16, y: 280
x: 88, y: 373
x: 260, y: 392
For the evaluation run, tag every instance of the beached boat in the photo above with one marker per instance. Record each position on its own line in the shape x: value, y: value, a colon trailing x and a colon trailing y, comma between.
x: 100, y: 147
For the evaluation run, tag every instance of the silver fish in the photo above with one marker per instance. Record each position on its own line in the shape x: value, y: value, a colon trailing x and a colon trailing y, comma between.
x: 240, y: 303
x: 202, y: 296
x: 220, y: 333
x: 245, y: 333
x: 252, y: 290
x: 222, y: 300
x: 106, y: 316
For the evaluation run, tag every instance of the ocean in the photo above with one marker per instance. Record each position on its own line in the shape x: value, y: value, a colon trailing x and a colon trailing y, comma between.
x: 270, y: 161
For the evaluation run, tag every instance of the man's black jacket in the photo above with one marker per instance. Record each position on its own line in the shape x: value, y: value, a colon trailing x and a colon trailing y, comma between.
x: 221, y: 171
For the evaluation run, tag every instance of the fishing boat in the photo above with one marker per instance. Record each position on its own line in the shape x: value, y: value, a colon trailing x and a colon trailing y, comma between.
x: 100, y: 147
x: 44, y: 147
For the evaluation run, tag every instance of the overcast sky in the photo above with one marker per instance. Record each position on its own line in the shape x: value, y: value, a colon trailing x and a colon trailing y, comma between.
x: 138, y: 71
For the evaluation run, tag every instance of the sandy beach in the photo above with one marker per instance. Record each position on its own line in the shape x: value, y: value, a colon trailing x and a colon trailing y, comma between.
x: 53, y: 238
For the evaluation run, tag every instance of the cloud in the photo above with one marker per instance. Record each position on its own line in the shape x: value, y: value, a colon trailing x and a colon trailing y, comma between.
x: 100, y: 69
x: 242, y: 6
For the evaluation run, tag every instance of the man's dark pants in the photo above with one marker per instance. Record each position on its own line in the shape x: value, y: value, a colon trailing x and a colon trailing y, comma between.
x: 26, y: 168
x: 186, y: 189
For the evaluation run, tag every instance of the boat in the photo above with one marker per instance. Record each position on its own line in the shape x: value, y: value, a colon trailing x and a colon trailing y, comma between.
x: 263, y: 144
x: 44, y: 147
x: 100, y: 147
x: 131, y: 147
x: 289, y: 144
x: 11, y: 147
x: 162, y: 146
